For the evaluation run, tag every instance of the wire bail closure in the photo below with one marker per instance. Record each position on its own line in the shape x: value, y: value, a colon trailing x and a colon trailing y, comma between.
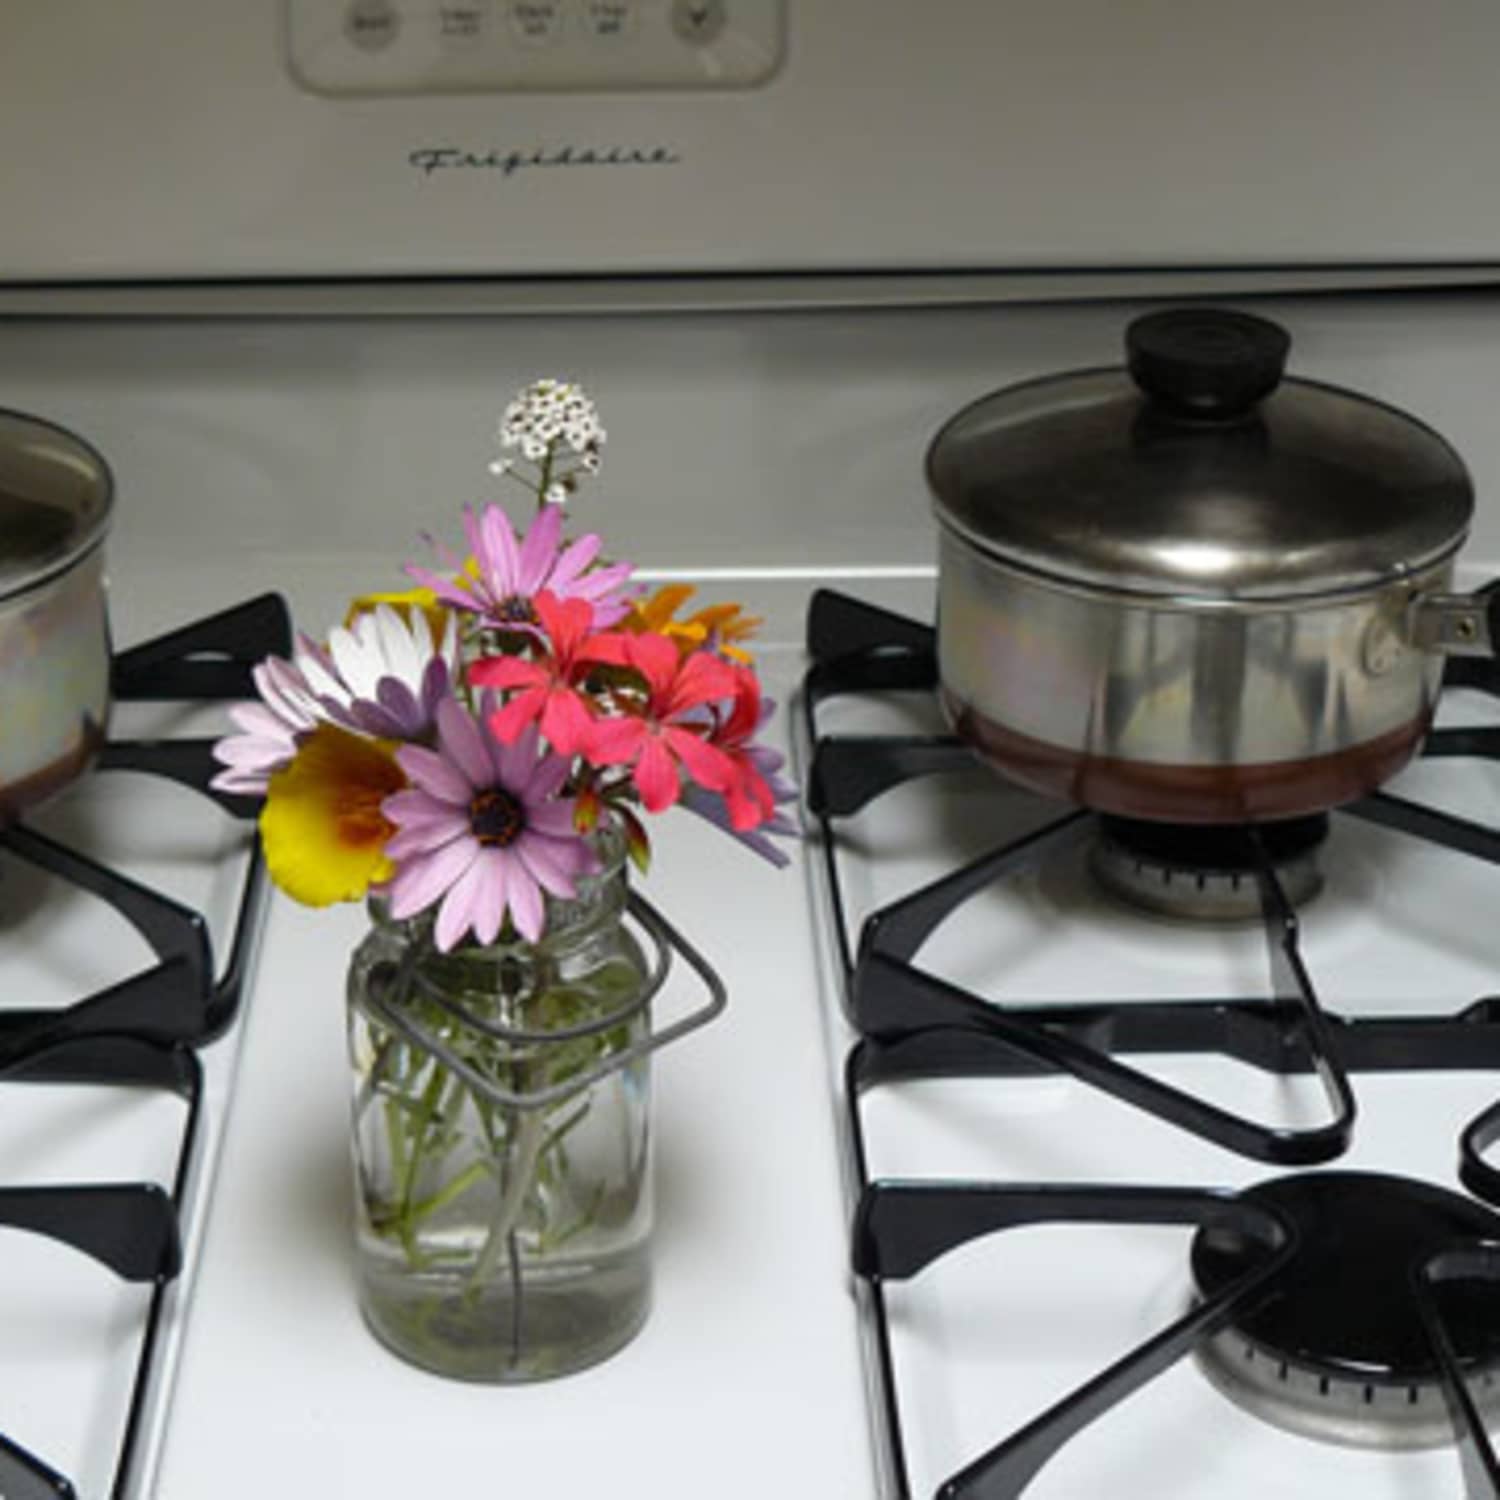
x: 387, y: 992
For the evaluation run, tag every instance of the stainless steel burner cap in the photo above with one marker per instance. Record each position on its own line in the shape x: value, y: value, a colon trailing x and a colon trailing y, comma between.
x: 1335, y: 1409
x: 1208, y: 873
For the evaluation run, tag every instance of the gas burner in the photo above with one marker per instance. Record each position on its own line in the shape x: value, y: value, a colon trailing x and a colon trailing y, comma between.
x: 1339, y: 1351
x: 1362, y: 1309
x: 1207, y: 872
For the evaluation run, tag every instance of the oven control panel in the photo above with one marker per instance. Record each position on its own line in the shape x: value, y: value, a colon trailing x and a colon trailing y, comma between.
x: 407, y: 47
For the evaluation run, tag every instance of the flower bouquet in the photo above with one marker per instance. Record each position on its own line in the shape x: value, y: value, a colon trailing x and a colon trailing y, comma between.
x: 476, y: 756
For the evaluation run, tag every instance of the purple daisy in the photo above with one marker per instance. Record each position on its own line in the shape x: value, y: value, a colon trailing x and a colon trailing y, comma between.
x: 711, y: 805
x: 483, y: 829
x: 270, y: 730
x: 383, y: 676
x: 510, y: 571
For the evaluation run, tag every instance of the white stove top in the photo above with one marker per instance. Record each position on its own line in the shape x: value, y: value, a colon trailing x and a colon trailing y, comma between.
x: 756, y: 1317
x: 778, y: 453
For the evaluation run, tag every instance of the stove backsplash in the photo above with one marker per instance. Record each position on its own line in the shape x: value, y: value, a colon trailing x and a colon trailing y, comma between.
x: 782, y: 440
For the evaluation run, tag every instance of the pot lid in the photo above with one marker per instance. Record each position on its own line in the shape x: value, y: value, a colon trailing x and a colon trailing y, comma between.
x: 56, y: 494
x: 1200, y: 472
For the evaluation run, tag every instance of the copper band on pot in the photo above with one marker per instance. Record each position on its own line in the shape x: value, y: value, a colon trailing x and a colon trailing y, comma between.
x: 16, y: 797
x: 1187, y: 793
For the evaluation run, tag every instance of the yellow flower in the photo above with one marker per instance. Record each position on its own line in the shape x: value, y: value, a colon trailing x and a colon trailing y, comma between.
x: 719, y: 625
x: 322, y: 827
x: 403, y: 601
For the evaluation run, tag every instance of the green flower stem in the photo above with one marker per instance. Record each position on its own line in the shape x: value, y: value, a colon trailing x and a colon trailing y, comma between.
x: 555, y: 1136
x: 371, y: 1085
x: 546, y: 475
x: 395, y: 1132
x: 524, y: 1149
x: 431, y: 1098
x: 420, y: 1133
x: 476, y: 1171
x: 520, y: 480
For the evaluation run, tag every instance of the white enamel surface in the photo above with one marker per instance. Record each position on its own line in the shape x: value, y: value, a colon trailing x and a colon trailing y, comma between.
x: 987, y: 132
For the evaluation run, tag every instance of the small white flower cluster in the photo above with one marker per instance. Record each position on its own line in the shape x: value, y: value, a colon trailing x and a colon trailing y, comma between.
x: 548, y: 416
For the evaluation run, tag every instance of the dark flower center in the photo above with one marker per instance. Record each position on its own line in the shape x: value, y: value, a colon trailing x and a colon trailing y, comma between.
x: 516, y: 610
x: 495, y: 817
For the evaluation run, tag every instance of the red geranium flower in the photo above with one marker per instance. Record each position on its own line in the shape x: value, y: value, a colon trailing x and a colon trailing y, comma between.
x: 667, y: 731
x: 748, y: 796
x: 548, y: 693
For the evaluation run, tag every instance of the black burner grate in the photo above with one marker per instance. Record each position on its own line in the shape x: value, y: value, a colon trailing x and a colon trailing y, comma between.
x: 914, y: 1024
x: 140, y: 1032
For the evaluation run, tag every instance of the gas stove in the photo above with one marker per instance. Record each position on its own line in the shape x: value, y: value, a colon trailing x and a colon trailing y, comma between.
x: 129, y: 906
x: 1166, y: 1146
x: 326, y: 458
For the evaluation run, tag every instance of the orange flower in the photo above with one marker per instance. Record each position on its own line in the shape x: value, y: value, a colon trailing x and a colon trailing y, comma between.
x: 717, y: 626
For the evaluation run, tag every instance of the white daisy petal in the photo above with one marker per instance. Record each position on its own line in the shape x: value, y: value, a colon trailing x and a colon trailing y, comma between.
x: 354, y: 665
x: 396, y: 641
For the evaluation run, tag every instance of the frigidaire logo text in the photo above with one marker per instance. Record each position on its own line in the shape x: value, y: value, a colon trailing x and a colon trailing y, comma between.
x: 430, y: 159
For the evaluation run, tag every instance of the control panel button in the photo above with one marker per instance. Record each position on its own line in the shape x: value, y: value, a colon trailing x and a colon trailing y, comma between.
x: 537, y: 23
x: 699, y: 22
x: 462, y: 21
x: 608, y: 20
x: 393, y: 48
x: 371, y: 24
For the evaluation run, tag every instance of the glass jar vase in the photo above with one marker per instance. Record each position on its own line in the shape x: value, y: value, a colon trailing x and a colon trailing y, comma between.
x: 502, y: 1147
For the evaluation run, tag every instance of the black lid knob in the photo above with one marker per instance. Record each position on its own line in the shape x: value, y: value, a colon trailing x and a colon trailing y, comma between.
x: 1206, y: 362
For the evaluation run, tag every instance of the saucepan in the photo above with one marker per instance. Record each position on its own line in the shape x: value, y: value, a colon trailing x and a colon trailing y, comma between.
x: 56, y: 497
x: 1193, y: 589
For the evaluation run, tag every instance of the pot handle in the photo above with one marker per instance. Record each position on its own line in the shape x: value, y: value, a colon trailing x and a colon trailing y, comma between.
x: 1458, y: 624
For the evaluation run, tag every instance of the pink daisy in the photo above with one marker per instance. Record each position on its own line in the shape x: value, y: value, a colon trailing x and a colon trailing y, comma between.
x: 482, y: 829
x: 509, y: 571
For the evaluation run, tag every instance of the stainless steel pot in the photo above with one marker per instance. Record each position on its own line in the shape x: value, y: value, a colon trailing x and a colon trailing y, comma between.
x: 56, y: 496
x: 1193, y: 590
